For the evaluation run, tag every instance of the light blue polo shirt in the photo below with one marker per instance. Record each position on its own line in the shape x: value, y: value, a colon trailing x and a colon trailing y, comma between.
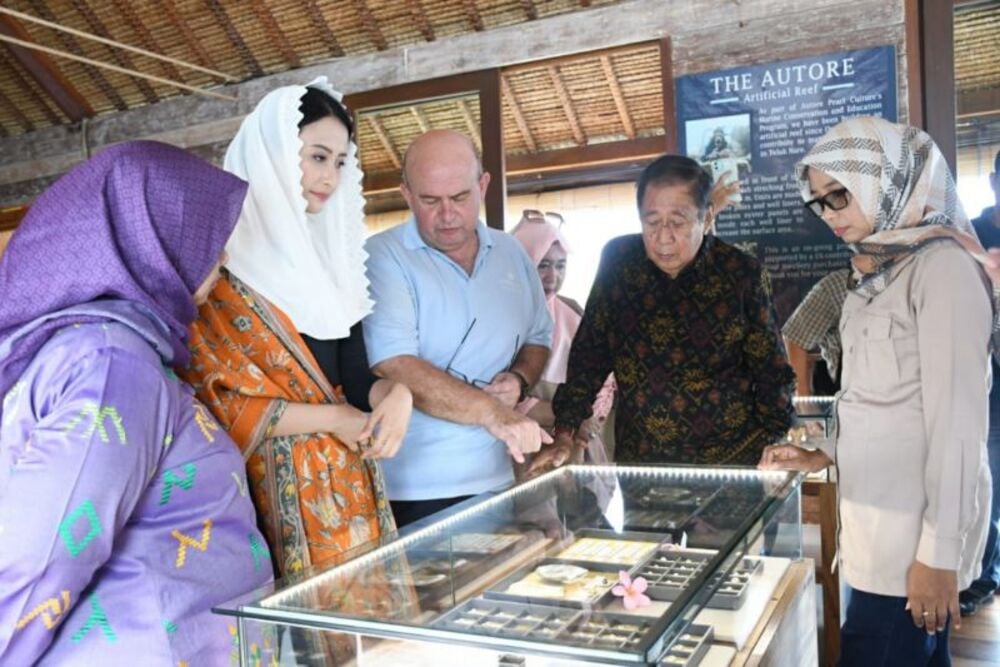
x: 424, y: 304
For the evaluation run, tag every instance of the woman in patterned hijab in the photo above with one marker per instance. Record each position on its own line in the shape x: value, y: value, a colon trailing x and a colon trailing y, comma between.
x: 910, y: 450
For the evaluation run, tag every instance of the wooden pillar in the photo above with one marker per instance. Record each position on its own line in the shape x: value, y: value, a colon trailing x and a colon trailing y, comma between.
x: 667, y: 83
x: 930, y: 49
x: 494, y: 160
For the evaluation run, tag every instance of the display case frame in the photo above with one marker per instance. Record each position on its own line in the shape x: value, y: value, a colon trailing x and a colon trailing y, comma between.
x: 563, y: 503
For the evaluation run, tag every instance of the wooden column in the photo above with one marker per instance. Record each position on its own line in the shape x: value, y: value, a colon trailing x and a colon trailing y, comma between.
x: 930, y: 49
x: 494, y: 159
x: 669, y: 108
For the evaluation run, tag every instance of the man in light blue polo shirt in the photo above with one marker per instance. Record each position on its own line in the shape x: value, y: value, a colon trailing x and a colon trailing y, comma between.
x: 460, y: 318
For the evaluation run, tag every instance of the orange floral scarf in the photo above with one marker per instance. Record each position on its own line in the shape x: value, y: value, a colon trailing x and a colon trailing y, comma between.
x: 315, y: 498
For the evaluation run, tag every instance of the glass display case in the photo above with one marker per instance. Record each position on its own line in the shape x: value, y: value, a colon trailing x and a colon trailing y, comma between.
x: 540, y: 574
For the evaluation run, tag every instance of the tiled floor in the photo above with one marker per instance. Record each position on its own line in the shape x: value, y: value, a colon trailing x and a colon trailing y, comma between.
x: 977, y: 643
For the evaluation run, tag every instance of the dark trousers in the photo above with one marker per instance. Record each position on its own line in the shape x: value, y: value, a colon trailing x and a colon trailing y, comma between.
x: 879, y: 632
x: 989, y: 578
x: 407, y: 512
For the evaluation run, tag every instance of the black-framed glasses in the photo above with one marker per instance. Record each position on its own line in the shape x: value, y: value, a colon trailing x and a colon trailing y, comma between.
x: 834, y: 200
x: 476, y: 382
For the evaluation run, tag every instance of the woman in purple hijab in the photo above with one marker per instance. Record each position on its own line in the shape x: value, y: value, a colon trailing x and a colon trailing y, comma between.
x: 123, y: 509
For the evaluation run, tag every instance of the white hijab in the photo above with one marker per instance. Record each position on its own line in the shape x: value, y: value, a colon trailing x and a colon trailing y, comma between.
x: 311, y: 266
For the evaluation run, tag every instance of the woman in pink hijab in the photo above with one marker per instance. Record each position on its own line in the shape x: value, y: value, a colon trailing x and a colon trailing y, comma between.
x: 548, y: 249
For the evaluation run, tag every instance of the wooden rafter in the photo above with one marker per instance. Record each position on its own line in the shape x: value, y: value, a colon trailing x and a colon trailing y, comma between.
x: 191, y: 42
x: 322, y: 26
x: 122, y: 59
x: 126, y: 9
x: 47, y: 75
x: 39, y: 101
x: 420, y: 18
x: 530, y: 10
x: 370, y: 24
x: 384, y: 139
x: 275, y: 34
x: 69, y: 43
x: 17, y: 113
x: 515, y: 110
x: 470, y: 123
x: 421, y: 119
x: 219, y: 13
x: 619, y: 97
x: 585, y: 3
x: 114, y: 68
x: 472, y: 14
x: 567, y: 105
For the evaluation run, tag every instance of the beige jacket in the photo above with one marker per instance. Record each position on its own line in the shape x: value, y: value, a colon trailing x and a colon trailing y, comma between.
x: 911, y: 447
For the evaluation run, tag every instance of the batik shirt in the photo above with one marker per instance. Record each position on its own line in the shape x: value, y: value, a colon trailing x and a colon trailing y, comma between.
x: 124, y: 514
x: 702, y: 373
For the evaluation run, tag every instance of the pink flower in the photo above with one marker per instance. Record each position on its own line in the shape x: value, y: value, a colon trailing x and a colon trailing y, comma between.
x: 632, y: 592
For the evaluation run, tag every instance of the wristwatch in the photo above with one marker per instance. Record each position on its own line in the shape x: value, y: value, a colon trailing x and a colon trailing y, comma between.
x: 525, y: 385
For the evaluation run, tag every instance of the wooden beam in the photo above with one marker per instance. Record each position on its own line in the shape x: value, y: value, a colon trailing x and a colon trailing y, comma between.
x: 46, y: 74
x: 593, y: 157
x: 983, y: 102
x: 126, y: 10
x: 937, y: 45
x: 418, y: 91
x: 618, y: 96
x: 494, y: 154
x: 472, y: 14
x: 322, y: 26
x: 384, y: 139
x: 121, y: 58
x: 69, y: 43
x: 32, y: 89
x: 421, y: 119
x: 470, y: 124
x: 191, y: 42
x: 586, y: 156
x: 567, y: 105
x: 275, y: 34
x: 114, y: 68
x: 515, y: 110
x: 668, y: 91
x: 223, y: 21
x: 914, y: 64
x: 420, y: 18
x: 370, y: 25
x: 530, y: 10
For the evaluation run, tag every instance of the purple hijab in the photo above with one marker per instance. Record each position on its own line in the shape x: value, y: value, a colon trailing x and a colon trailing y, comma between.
x: 142, y: 222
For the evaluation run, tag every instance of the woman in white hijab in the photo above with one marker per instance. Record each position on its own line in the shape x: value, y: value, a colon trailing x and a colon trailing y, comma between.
x: 277, y: 351
x: 916, y: 326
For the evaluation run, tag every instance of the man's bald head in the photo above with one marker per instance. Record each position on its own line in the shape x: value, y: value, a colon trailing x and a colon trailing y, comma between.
x: 444, y: 185
x: 438, y: 146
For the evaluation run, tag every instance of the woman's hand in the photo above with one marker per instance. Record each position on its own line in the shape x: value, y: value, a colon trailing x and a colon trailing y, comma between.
x: 932, y: 596
x: 791, y: 457
x: 348, y: 425
x: 386, y: 427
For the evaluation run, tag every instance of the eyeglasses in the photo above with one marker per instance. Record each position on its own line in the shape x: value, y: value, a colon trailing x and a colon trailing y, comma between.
x: 834, y: 200
x: 476, y: 382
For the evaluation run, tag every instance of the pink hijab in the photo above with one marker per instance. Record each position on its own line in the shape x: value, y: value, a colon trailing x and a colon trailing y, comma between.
x: 538, y: 235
